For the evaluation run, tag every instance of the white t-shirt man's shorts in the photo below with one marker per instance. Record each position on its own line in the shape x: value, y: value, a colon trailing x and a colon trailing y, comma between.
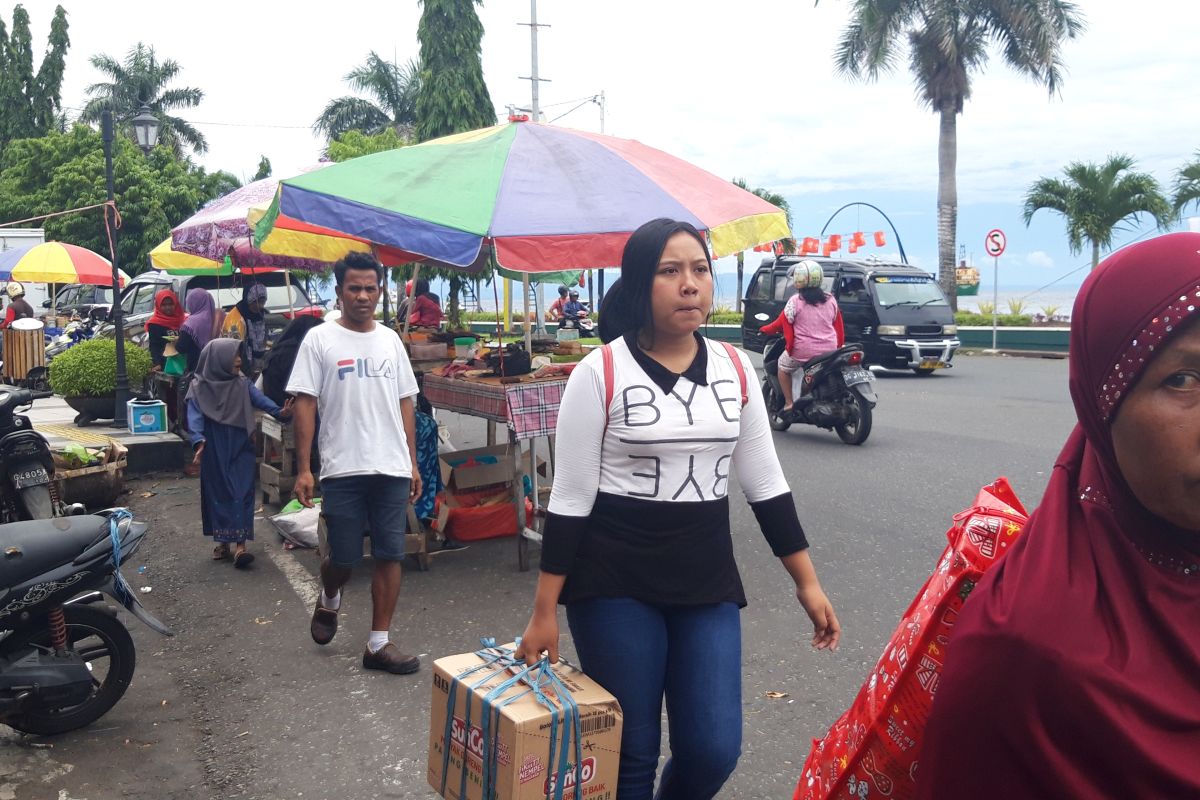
x: 359, y: 380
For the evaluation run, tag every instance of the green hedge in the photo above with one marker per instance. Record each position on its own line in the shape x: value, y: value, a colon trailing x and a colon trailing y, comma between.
x: 968, y: 318
x: 89, y: 369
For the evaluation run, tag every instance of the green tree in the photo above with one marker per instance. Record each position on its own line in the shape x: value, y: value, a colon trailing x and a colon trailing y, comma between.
x: 30, y: 104
x: 264, y: 169
x: 393, y: 105
x: 1096, y: 200
x: 452, y: 96
x: 788, y: 245
x: 62, y: 171
x: 1187, y: 184
x: 141, y: 79
x: 47, y: 99
x: 353, y: 144
x: 948, y: 43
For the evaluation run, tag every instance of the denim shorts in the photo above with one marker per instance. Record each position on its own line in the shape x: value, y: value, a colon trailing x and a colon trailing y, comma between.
x: 356, y: 505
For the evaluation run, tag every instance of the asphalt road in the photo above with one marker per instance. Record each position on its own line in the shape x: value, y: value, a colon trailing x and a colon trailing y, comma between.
x: 241, y: 703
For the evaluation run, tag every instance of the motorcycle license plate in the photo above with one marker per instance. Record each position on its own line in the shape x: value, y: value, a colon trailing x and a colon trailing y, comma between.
x: 933, y: 362
x: 37, y: 476
x: 853, y: 376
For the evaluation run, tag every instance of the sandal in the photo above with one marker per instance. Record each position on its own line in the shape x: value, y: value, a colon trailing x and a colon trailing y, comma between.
x: 220, y: 552
x: 243, y: 559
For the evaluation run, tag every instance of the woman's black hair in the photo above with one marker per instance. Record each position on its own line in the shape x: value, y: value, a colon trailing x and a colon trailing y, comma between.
x: 626, y: 306
x: 814, y: 295
x: 420, y: 287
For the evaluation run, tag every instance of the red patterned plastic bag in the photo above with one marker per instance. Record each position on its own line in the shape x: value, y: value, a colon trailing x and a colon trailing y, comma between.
x: 873, y: 749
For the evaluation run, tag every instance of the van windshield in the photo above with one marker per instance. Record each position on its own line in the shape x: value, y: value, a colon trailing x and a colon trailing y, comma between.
x: 277, y: 296
x: 907, y: 290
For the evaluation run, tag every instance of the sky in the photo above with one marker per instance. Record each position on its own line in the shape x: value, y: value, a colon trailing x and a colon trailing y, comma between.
x: 744, y: 89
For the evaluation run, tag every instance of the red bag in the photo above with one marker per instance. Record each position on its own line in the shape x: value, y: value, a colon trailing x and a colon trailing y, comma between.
x: 873, y: 749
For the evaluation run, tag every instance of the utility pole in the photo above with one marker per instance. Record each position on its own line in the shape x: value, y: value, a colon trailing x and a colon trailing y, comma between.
x: 534, y: 79
x: 599, y: 100
x: 121, y: 392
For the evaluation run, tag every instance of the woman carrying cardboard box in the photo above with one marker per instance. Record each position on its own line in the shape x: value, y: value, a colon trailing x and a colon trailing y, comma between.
x: 637, y: 540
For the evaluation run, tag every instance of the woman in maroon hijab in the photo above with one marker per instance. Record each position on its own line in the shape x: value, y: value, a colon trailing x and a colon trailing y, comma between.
x: 1074, y: 670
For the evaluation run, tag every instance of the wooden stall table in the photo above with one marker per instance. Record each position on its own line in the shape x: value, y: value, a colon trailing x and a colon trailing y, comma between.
x: 529, y: 408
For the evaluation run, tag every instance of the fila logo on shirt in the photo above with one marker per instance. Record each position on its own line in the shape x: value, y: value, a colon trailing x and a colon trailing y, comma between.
x: 365, y: 368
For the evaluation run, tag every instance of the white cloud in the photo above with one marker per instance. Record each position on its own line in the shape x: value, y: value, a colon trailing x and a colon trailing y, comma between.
x: 1040, y: 259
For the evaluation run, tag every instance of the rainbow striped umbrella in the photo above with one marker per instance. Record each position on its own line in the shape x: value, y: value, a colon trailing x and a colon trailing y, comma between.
x: 543, y: 198
x: 57, y: 262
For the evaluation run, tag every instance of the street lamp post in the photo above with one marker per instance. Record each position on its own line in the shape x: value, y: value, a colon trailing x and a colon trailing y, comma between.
x: 145, y: 126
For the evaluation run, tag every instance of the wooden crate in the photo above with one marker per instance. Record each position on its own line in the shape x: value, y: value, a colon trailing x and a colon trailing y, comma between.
x: 276, y: 487
x: 277, y: 460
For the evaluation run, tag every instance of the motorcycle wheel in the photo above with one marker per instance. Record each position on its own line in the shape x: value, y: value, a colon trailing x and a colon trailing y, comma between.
x: 774, y: 403
x: 103, y: 642
x: 858, y: 427
x: 37, y: 502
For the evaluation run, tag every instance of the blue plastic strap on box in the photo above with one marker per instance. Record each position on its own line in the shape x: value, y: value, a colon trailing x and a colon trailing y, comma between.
x: 489, y: 659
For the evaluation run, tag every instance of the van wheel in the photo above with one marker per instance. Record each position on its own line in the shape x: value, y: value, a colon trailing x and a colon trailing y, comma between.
x: 924, y: 372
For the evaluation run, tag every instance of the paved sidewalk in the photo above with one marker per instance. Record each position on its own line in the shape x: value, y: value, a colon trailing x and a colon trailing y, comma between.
x: 54, y: 419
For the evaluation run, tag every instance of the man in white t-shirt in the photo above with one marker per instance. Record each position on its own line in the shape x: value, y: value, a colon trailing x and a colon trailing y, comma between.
x: 356, y: 374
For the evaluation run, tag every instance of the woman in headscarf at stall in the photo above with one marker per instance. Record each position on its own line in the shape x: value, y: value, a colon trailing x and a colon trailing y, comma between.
x: 278, y: 366
x: 247, y: 321
x: 166, y: 321
x: 220, y: 409
x: 1074, y: 671
x: 202, y: 326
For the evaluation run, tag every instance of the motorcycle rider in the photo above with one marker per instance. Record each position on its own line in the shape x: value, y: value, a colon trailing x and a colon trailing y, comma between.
x: 573, y: 310
x: 18, y: 307
x: 811, y: 324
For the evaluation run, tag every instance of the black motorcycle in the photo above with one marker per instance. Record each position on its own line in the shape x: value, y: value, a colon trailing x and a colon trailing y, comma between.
x: 65, y: 657
x: 833, y: 391
x: 27, y: 489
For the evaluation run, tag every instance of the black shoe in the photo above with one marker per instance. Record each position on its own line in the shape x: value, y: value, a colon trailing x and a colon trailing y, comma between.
x: 324, y: 624
x: 389, y: 659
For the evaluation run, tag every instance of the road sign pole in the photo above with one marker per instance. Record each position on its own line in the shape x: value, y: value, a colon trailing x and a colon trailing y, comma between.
x: 995, y: 296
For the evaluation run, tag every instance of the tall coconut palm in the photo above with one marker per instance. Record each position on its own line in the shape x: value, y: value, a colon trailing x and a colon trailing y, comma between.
x: 948, y: 43
x: 142, y: 79
x: 788, y: 245
x: 1096, y: 200
x: 1187, y: 184
x: 393, y: 88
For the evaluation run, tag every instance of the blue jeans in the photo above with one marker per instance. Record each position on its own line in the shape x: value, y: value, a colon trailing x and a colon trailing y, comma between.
x: 693, y: 656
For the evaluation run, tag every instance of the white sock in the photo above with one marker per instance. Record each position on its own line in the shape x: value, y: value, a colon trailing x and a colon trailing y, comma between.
x: 377, y: 640
x: 332, y: 603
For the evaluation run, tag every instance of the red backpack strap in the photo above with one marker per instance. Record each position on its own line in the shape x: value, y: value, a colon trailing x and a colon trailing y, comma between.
x: 741, y: 371
x: 607, y: 357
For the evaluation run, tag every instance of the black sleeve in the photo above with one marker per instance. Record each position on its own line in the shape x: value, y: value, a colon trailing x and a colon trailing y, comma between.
x: 561, y: 536
x: 780, y: 525
x: 158, y: 343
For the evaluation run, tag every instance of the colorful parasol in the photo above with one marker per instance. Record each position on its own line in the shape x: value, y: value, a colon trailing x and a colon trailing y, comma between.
x: 58, y: 262
x: 545, y: 198
x: 177, y: 263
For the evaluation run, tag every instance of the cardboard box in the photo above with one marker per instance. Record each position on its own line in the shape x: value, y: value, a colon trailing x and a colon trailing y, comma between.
x: 428, y: 352
x: 463, y: 470
x: 147, y: 416
x: 519, y: 736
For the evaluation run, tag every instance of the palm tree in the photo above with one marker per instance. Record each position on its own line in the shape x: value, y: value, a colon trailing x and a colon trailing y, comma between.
x: 1187, y: 184
x: 1097, y: 199
x: 141, y: 79
x: 948, y: 43
x: 788, y: 245
x: 394, y: 89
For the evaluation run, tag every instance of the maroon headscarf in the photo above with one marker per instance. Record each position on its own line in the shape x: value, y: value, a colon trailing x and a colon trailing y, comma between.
x: 1074, y: 671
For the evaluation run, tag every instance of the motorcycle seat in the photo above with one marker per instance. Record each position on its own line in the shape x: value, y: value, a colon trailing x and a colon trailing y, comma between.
x: 832, y: 354
x: 31, y: 548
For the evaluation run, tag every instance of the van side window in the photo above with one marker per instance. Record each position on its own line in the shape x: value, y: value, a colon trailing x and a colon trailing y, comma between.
x: 760, y: 287
x: 851, y: 289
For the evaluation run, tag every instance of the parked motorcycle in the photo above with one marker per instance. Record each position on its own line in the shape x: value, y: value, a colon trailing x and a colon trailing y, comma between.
x: 834, y: 391
x: 27, y: 490
x: 65, y: 657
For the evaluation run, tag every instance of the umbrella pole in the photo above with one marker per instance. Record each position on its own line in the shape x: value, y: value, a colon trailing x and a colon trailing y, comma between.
x: 407, y: 317
x: 525, y: 323
x: 287, y: 281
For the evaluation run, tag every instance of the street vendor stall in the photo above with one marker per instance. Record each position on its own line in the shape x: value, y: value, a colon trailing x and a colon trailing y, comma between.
x: 529, y: 409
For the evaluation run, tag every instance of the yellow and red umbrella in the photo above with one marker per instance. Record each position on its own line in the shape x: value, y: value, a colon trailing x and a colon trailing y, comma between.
x: 57, y: 262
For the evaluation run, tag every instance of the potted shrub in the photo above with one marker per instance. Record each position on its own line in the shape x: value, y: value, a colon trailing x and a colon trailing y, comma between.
x: 86, y: 376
